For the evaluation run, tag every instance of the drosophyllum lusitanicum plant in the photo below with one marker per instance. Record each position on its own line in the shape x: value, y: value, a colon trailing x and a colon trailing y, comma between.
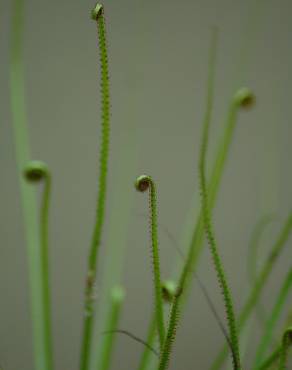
x: 169, y: 297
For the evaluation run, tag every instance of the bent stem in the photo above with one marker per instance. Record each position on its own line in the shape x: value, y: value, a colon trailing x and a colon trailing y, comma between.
x: 142, y: 184
x: 98, y: 16
x: 207, y: 218
x: 258, y: 286
x: 240, y: 100
x: 35, y: 172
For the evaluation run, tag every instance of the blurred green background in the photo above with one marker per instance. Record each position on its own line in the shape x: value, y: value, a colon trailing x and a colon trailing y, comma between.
x: 158, y: 65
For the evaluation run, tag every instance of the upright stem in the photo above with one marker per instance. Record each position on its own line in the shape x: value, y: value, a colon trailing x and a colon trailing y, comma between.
x: 41, y: 352
x: 117, y: 298
x: 98, y: 16
x: 45, y: 269
x: 150, y: 339
x: 207, y: 218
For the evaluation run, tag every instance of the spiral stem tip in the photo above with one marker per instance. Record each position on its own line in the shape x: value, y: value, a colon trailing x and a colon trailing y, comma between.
x: 244, y: 98
x: 96, y: 11
x: 35, y: 171
x: 142, y: 183
x: 169, y: 290
x: 118, y: 294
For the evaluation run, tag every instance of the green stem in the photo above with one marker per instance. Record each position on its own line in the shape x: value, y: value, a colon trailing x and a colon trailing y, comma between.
x: 142, y: 184
x: 150, y: 339
x: 35, y: 172
x: 274, y: 317
x: 117, y: 298
x: 253, y: 246
x: 42, y: 359
x: 269, y: 361
x: 239, y: 100
x: 86, y: 346
x: 45, y: 270
x: 286, y: 343
x: 207, y: 218
x: 171, y: 332
x: 258, y: 286
x: 252, y: 260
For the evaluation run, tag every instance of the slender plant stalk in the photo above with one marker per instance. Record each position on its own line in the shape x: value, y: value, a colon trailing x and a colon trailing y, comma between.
x: 175, y: 308
x: 271, y: 359
x: 286, y: 343
x: 274, y: 317
x: 253, y: 246
x: 252, y: 259
x: 150, y: 339
x: 142, y: 184
x: 35, y: 172
x: 171, y: 332
x: 98, y: 16
x: 37, y: 271
x: 256, y: 291
x: 171, y: 285
x: 117, y: 298
x: 242, y: 98
x: 207, y: 218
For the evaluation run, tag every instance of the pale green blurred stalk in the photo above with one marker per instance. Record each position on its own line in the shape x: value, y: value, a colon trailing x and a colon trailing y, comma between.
x: 42, y: 357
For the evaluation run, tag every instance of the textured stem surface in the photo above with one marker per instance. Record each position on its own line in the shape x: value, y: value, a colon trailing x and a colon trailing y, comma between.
x: 142, y: 184
x: 101, y: 198
x: 207, y: 218
x: 257, y: 289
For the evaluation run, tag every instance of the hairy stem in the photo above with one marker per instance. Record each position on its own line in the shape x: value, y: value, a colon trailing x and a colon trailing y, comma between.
x: 142, y: 184
x: 98, y: 16
x: 208, y: 224
x: 257, y: 289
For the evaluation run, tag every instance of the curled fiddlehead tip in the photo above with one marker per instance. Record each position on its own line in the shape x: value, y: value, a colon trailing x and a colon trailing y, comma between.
x: 96, y: 11
x: 143, y: 182
x: 244, y: 98
x: 169, y: 290
x: 35, y: 171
